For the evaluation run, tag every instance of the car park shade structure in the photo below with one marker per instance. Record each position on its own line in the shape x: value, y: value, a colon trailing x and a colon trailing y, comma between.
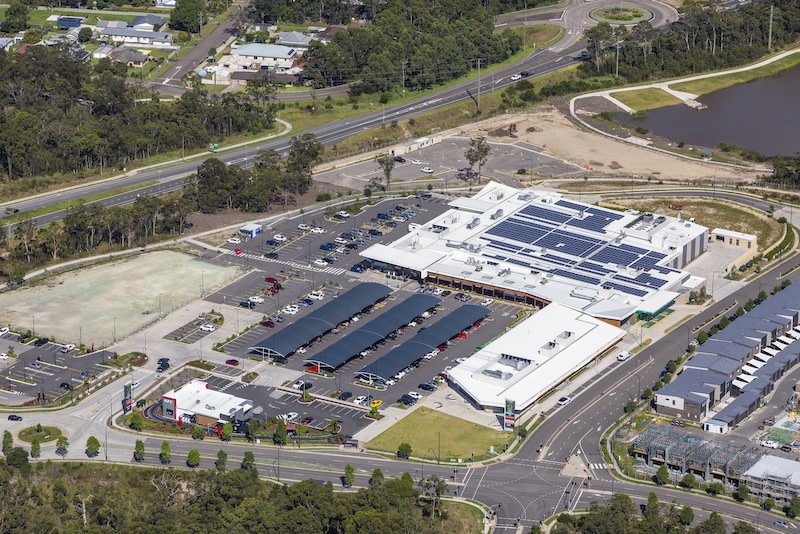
x: 321, y: 320
x: 424, y: 342
x: 374, y: 331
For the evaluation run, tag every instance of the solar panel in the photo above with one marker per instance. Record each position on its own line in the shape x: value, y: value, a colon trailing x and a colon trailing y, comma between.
x: 614, y: 255
x: 576, y: 276
x: 625, y: 289
x: 611, y: 215
x: 546, y: 214
x: 571, y: 205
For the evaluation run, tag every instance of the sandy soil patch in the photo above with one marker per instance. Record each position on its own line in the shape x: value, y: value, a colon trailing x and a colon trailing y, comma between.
x: 547, y: 127
x: 85, y: 304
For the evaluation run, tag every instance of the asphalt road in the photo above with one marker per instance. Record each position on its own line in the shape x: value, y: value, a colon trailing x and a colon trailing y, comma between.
x: 170, y: 177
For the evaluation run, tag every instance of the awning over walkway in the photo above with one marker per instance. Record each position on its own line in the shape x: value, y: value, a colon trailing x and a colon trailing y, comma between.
x: 321, y: 320
x: 424, y: 342
x: 372, y: 332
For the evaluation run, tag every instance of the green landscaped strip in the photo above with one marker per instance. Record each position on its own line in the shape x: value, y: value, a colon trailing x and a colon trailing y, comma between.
x: 17, y: 217
x: 647, y: 98
x: 709, y: 85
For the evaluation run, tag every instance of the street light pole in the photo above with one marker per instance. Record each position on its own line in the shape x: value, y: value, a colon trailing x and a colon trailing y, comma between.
x: 115, y: 330
x: 110, y: 419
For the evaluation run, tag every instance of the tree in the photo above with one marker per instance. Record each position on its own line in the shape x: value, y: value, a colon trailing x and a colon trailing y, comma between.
x: 222, y: 460
x: 304, y: 153
x: 193, y: 458
x: 16, y: 17
x: 686, y: 516
x: 631, y: 406
x: 386, y: 162
x: 647, y: 394
x: 166, y: 453
x: 651, y: 508
x: 377, y: 478
x: 252, y: 429
x: 768, y: 504
x: 714, y: 488
x: 62, y: 445
x: 249, y: 461
x: 138, y: 450
x: 404, y: 450
x: 92, y: 447
x: 478, y: 152
x: 8, y: 441
x: 186, y: 15
x: 793, y: 509
x: 702, y: 337
x: 260, y: 88
x: 36, y: 447
x: 744, y: 528
x: 281, y: 435
x: 762, y: 296
x: 85, y: 35
x: 198, y: 432
x: 227, y: 432
x: 17, y: 457
x: 349, y: 476
x: 713, y: 525
x: 662, y: 475
x: 742, y: 492
x: 689, y: 481
x: 136, y: 421
x: 749, y: 305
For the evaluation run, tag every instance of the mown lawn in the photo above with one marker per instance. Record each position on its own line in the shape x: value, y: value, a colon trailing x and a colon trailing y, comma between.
x: 459, y: 438
x: 648, y: 98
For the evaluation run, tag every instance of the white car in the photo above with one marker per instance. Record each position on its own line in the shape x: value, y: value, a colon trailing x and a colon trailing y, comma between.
x: 298, y: 385
x: 256, y: 299
x: 303, y: 227
x: 3, y: 331
x: 235, y: 240
x: 400, y: 375
x: 341, y: 241
x: 316, y: 295
x: 770, y: 444
x: 287, y: 417
x: 460, y: 360
x: 399, y: 218
x: 291, y: 310
x: 301, y: 350
x: 67, y: 348
x: 416, y: 162
x: 343, y: 214
x: 279, y: 238
x: 516, y: 77
x: 487, y: 302
x: 427, y: 170
x: 320, y: 263
x: 361, y: 399
x: 563, y: 401
x: 3, y: 356
x: 134, y: 385
x: 341, y: 250
x: 208, y: 327
x: 624, y: 355
x: 414, y: 395
x: 318, y: 230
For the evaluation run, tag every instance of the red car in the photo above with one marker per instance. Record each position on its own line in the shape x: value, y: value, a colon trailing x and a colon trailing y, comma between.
x: 232, y: 362
x: 307, y: 420
x: 462, y: 335
x: 268, y: 324
x: 271, y: 280
x: 442, y: 347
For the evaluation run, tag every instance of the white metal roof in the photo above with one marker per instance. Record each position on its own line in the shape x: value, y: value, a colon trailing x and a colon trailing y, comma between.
x: 195, y: 397
x: 733, y: 234
x: 534, y: 356
x: 776, y: 467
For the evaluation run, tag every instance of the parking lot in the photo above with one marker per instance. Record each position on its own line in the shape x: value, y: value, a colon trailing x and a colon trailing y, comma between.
x: 297, y: 276
x: 446, y: 158
x: 45, y: 370
x: 274, y: 402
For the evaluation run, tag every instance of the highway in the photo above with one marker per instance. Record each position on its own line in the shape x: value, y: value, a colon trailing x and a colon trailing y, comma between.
x: 170, y: 177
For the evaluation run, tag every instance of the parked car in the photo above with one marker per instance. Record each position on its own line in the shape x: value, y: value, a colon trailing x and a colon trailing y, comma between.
x: 303, y: 227
x: 624, y: 355
x: 272, y: 243
x: 279, y: 238
x: 234, y: 241
x: 66, y: 385
x: 487, y: 302
x: 67, y: 348
x: 344, y: 395
x: 307, y: 420
x: 298, y: 385
x: 327, y: 246
x: 247, y: 304
x: 288, y: 417
x: 770, y: 444
x: 320, y: 262
x: 271, y: 255
x: 427, y: 170
x: 316, y: 295
x: 232, y: 361
x: 376, y: 403
x: 41, y: 341
x: 318, y: 230
x: 407, y: 400
x: 14, y: 417
x: 563, y: 401
x: 3, y: 331
x: 428, y: 386
x: 357, y: 269
x: 400, y: 159
x: 268, y: 324
x: 342, y: 214
x: 257, y: 299
x: 361, y: 399
x: 414, y: 395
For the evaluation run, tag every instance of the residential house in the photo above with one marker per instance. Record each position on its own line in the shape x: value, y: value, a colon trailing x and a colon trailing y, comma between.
x: 102, y: 51
x: 66, y: 23
x: 165, y: 4
x: 327, y: 34
x: 299, y: 41
x: 6, y: 43
x: 137, y: 37
x: 147, y: 23
x: 692, y: 394
x: 129, y: 56
x: 259, y: 56
x: 103, y: 24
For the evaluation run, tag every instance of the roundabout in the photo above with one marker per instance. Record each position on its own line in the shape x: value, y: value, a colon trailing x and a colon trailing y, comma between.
x: 621, y: 14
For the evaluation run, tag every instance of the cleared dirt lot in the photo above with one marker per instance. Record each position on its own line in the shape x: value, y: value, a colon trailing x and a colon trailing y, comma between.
x: 89, y: 304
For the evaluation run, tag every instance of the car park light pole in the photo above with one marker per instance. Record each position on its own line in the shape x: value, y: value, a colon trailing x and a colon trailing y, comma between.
x: 110, y: 419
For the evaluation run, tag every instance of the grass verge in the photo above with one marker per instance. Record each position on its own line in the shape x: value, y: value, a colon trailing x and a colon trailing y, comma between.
x: 422, y: 430
x: 462, y: 517
x: 708, y: 85
x: 644, y: 99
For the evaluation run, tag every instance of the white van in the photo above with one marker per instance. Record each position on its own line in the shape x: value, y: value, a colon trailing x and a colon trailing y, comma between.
x: 413, y: 226
x: 624, y: 355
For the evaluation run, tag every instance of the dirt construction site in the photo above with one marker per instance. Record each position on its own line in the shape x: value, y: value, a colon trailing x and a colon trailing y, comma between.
x: 95, y: 304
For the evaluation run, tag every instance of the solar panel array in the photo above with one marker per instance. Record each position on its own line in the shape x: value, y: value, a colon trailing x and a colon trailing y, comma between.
x: 544, y: 233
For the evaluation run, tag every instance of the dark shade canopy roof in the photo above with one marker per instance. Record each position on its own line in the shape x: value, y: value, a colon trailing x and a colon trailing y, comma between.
x: 424, y: 342
x: 321, y: 320
x: 372, y: 332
